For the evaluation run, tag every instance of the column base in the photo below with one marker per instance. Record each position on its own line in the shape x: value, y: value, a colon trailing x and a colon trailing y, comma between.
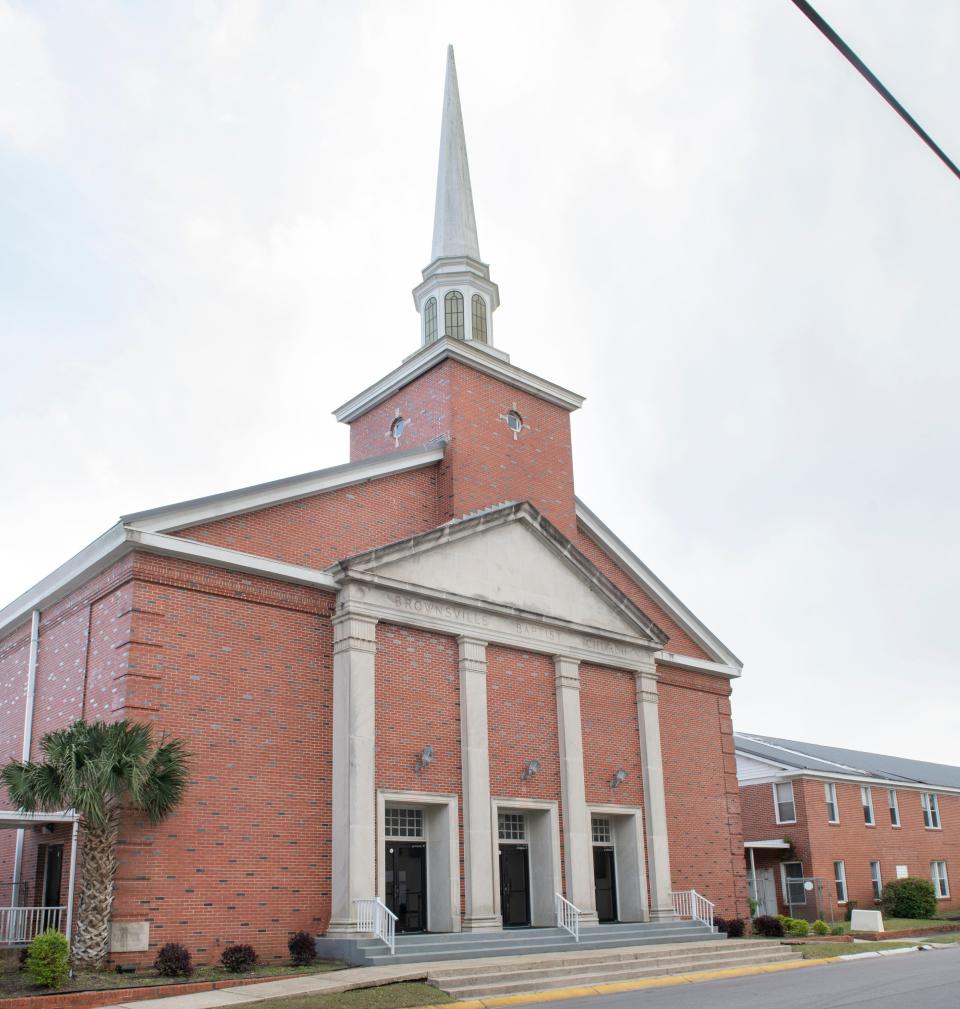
x: 589, y: 918
x: 343, y: 926
x: 662, y: 914
x: 482, y: 923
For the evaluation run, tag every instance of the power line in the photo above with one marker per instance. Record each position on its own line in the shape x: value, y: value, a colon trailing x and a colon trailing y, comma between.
x: 866, y: 72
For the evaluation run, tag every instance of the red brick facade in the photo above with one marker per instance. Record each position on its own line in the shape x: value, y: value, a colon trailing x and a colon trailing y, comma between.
x: 241, y: 667
x: 817, y: 843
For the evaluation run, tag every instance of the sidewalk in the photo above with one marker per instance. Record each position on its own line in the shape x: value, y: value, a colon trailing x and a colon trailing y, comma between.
x: 322, y: 984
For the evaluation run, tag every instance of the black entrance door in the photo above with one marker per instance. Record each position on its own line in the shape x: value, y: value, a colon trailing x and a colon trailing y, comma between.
x: 604, y: 876
x: 514, y: 885
x: 52, y: 866
x: 405, y: 876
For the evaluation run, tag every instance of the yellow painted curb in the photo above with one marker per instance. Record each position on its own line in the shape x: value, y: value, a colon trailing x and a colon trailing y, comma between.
x: 612, y: 987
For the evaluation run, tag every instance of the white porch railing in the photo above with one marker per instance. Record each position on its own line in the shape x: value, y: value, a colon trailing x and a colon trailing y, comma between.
x: 692, y: 905
x: 375, y: 917
x: 19, y: 925
x: 568, y: 916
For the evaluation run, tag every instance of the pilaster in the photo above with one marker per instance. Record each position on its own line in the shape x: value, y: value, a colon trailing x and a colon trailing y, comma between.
x: 354, y: 791
x: 479, y: 905
x: 577, y: 847
x: 654, y: 795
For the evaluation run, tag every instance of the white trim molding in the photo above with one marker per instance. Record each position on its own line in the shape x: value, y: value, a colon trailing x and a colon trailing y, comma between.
x: 728, y: 663
x: 170, y: 518
x: 477, y: 356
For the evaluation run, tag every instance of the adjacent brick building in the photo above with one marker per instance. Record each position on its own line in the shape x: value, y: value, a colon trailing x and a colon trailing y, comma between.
x: 431, y: 675
x: 844, y: 821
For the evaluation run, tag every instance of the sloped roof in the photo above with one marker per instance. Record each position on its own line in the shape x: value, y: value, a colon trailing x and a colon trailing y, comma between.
x: 837, y: 760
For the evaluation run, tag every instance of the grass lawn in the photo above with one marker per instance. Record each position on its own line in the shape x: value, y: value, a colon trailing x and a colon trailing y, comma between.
x: 14, y: 982
x: 387, y: 996
x: 895, y: 924
x: 821, y: 950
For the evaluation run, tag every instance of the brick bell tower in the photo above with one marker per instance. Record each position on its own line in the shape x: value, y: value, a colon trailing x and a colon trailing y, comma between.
x: 506, y: 431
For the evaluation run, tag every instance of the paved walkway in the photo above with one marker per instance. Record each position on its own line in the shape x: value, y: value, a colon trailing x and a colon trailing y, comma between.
x: 302, y: 984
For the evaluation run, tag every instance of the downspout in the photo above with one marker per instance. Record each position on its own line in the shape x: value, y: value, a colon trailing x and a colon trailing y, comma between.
x: 27, y: 742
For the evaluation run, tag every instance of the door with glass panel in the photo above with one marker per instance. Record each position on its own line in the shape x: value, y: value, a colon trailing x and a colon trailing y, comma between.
x: 604, y: 869
x: 405, y: 868
x: 514, y: 870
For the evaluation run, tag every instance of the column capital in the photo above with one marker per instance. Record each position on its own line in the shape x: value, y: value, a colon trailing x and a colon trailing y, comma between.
x: 472, y: 656
x: 354, y: 631
x: 567, y: 672
x: 647, y: 688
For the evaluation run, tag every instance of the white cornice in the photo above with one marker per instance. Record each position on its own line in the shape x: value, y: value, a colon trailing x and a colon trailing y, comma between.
x: 90, y: 561
x: 470, y: 354
x: 651, y: 584
x: 697, y: 665
x: 170, y: 518
x: 120, y: 540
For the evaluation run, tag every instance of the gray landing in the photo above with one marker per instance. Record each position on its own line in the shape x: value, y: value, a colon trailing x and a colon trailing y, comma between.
x: 427, y: 947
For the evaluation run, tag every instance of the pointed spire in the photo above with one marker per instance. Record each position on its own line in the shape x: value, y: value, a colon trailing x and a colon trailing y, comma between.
x: 454, y: 224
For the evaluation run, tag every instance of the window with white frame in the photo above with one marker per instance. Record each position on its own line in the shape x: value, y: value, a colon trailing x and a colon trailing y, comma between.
x: 876, y: 880
x: 866, y: 798
x: 402, y: 822
x: 783, y: 802
x: 938, y: 873
x: 830, y: 794
x: 840, y: 878
x: 931, y: 810
x: 511, y: 827
x: 894, y: 807
x: 602, y: 833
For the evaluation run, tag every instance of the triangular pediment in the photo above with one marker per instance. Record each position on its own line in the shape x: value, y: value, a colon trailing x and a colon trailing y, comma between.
x: 512, y: 557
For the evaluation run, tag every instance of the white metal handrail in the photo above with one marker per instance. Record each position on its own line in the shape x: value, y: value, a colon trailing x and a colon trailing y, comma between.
x: 568, y: 916
x: 692, y: 905
x: 375, y: 917
x: 20, y: 925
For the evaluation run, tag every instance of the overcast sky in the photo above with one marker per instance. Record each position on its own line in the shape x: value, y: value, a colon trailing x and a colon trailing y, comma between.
x: 699, y: 216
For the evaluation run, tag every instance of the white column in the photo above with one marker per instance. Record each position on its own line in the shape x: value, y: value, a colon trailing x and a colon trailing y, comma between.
x: 577, y: 840
x: 654, y: 797
x: 354, y: 791
x: 479, y: 906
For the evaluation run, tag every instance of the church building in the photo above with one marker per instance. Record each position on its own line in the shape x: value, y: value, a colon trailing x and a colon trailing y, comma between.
x: 429, y: 678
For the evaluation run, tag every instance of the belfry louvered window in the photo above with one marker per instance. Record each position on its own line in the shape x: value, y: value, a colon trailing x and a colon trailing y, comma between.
x: 430, y: 320
x: 479, y: 320
x: 453, y: 315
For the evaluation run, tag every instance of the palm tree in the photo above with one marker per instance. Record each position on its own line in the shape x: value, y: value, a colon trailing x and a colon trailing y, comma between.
x: 98, y: 769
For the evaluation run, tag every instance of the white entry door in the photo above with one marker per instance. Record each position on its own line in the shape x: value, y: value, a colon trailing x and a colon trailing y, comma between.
x: 766, y: 892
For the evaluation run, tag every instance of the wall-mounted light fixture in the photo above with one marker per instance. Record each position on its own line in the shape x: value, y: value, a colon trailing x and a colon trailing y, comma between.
x: 619, y: 778
x: 424, y: 759
x: 533, y: 766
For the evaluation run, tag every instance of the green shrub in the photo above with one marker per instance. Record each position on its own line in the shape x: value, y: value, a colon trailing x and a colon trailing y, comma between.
x: 837, y: 930
x: 820, y: 927
x: 910, y: 897
x: 783, y: 919
x: 798, y: 926
x: 48, y: 959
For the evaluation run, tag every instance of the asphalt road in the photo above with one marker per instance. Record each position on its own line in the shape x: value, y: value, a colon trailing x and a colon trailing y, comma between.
x: 924, y: 980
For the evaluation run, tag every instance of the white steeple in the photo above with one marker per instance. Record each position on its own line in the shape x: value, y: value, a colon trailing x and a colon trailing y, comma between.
x: 457, y: 298
x: 454, y: 223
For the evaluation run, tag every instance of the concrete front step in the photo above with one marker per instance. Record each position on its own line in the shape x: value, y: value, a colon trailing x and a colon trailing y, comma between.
x: 546, y: 977
x: 494, y: 944
x: 576, y: 959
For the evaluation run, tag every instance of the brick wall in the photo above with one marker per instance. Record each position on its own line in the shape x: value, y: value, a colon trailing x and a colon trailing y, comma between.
x: 703, y: 808
x: 483, y: 464
x: 818, y: 843
x: 317, y: 531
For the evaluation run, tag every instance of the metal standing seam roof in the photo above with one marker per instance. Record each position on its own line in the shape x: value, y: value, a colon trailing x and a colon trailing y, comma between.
x: 836, y: 760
